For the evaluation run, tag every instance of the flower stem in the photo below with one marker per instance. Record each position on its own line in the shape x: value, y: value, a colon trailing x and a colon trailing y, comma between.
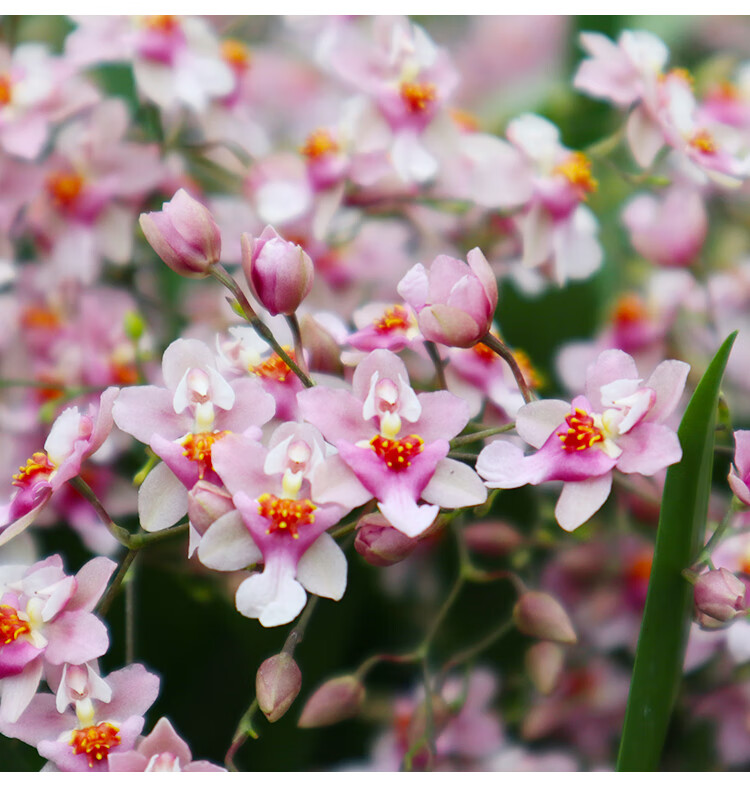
x: 224, y: 277
x: 463, y: 440
x: 434, y: 355
x: 293, y: 324
x: 106, y: 602
x: 505, y: 353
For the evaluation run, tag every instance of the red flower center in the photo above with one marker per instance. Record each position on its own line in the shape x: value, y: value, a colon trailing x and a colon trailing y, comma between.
x: 95, y: 741
x: 397, y: 454
x: 197, y: 448
x: 418, y: 96
x: 6, y: 91
x: 11, y: 626
x: 64, y: 188
x: 582, y: 432
x: 285, y: 514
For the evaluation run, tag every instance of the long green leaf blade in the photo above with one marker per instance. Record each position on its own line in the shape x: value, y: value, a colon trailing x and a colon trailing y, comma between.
x: 661, y: 645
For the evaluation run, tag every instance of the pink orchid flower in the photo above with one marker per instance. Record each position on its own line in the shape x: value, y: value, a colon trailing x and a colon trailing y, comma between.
x: 161, y: 751
x: 392, y: 445
x: 668, y: 230
x: 183, y: 421
x: 278, y: 522
x: 556, y: 226
x: 618, y: 424
x: 108, y: 717
x: 381, y: 325
x: 73, y: 437
x: 46, y: 619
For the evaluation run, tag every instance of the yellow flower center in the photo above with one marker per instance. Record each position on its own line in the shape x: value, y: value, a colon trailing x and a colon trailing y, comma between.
x: 274, y: 368
x: 394, y: 318
x: 577, y: 170
x: 236, y: 54
x: 37, y: 465
x: 703, y: 141
x: 319, y: 143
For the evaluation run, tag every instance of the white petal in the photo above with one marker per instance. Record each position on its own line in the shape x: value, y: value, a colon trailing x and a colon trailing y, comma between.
x: 227, y: 544
x: 454, y: 484
x: 580, y: 500
x: 274, y: 597
x: 322, y: 568
x: 536, y: 421
x: 64, y: 433
x: 19, y: 690
x: 162, y: 499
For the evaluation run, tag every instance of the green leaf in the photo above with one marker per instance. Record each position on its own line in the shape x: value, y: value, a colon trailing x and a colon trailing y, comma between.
x: 666, y: 619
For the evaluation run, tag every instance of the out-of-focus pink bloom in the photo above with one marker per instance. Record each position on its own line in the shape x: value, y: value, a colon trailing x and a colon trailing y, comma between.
x: 555, y: 225
x: 280, y: 272
x: 177, y: 61
x: 739, y: 474
x: 670, y: 230
x: 183, y: 422
x: 617, y: 424
x: 465, y: 737
x: 46, y: 619
x: 455, y: 302
x: 719, y: 598
x: 73, y: 437
x: 161, y: 751
x: 108, y: 717
x: 392, y: 445
x: 625, y: 72
x: 184, y: 235
x: 37, y: 90
x: 409, y: 81
x: 278, y: 522
x: 93, y: 182
x: 586, y: 709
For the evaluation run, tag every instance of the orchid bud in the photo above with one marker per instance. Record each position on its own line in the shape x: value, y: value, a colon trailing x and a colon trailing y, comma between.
x: 379, y: 543
x: 184, y: 235
x: 277, y: 684
x: 493, y: 538
x: 206, y: 503
x: 455, y: 301
x: 279, y: 272
x: 540, y: 615
x: 544, y: 663
x: 338, y: 699
x: 719, y: 597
